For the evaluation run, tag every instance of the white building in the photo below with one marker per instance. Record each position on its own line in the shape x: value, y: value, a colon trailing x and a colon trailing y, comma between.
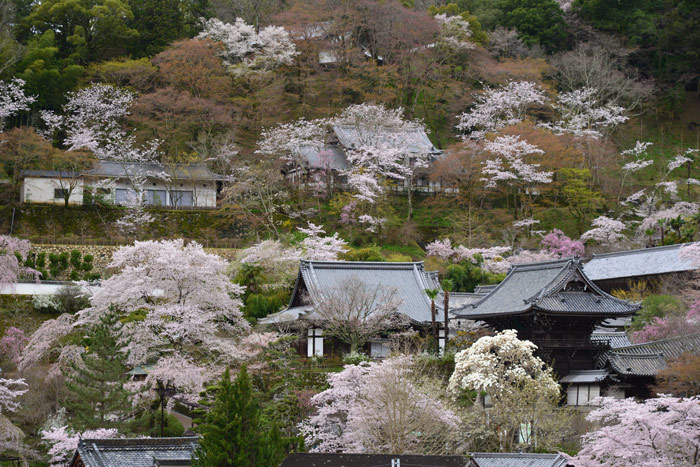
x: 168, y: 185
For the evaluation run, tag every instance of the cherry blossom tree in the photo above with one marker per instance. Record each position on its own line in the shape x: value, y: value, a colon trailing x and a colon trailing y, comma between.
x: 63, y: 441
x: 246, y: 50
x: 12, y: 343
x: 455, y: 32
x: 510, y: 169
x: 12, y: 253
x: 583, y: 115
x: 605, y: 231
x: 655, y: 432
x: 12, y: 99
x: 498, y: 108
x: 380, y: 407
x: 318, y: 248
x: 671, y: 325
x: 556, y: 243
x: 521, y: 387
x: 11, y: 437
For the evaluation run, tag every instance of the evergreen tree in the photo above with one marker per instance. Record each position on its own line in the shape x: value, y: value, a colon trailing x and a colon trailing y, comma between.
x: 97, y: 396
x: 233, y: 430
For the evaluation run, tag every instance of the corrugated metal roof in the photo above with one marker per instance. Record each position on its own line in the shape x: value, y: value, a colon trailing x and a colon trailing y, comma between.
x: 585, y: 376
x: 134, y: 452
x: 541, y: 286
x: 614, y: 339
x: 633, y: 263
x: 492, y: 459
x: 409, y: 280
x: 350, y: 136
x: 174, y: 171
x: 327, y: 157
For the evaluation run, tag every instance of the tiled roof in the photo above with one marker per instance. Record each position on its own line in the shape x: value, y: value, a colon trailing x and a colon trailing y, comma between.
x: 49, y: 173
x: 310, y: 459
x: 460, y: 299
x: 633, y: 263
x: 135, y: 452
x: 492, y: 459
x: 542, y: 287
x: 585, y: 376
x: 174, y: 171
x: 329, y: 156
x: 614, y: 339
x: 409, y: 280
x: 350, y: 137
x: 651, y: 357
x: 485, y: 288
x: 287, y: 315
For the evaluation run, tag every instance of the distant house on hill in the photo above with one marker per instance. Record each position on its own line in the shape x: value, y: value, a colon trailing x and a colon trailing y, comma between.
x: 409, y: 281
x: 326, y: 163
x: 167, y: 185
x: 619, y: 270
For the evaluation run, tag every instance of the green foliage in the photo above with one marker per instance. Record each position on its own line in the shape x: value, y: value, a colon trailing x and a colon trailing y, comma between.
x: 233, y: 430
x: 149, y: 424
x: 465, y: 276
x: 539, y: 22
x: 354, y: 358
x: 95, y: 385
x: 364, y: 254
x: 656, y: 306
x: 71, y: 299
x: 479, y: 36
x: 260, y: 305
x: 41, y: 259
x: 582, y: 201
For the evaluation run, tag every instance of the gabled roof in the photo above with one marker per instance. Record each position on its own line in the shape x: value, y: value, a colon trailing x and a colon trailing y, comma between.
x: 543, y: 287
x: 634, y: 263
x: 349, y: 136
x: 649, y: 358
x: 585, y: 376
x: 135, y: 452
x: 514, y: 459
x: 174, y: 171
x: 330, y: 156
x: 409, y: 280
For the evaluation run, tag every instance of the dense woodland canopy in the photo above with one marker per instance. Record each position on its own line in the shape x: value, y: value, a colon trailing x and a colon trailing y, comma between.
x: 563, y: 128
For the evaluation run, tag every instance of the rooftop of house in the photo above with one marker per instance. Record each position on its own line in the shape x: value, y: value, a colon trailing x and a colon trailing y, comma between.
x: 492, y: 459
x: 135, y: 452
x: 554, y: 287
x: 328, y: 156
x: 350, y: 136
x: 635, y: 263
x: 585, y: 376
x: 114, y: 169
x: 649, y: 358
x: 50, y: 174
x: 409, y: 281
x: 615, y: 339
x: 370, y: 460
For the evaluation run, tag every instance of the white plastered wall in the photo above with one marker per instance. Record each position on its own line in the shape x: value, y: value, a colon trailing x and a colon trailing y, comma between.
x: 42, y: 190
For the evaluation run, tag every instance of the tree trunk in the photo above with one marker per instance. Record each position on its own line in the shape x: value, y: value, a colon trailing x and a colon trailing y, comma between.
x: 433, y: 312
x: 447, y: 320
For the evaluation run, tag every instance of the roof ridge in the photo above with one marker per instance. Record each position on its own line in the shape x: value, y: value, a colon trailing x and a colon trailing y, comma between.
x: 638, y: 250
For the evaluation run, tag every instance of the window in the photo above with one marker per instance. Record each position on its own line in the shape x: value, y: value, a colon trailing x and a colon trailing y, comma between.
x: 314, y: 342
x: 122, y: 195
x: 181, y: 198
x: 379, y: 349
x: 60, y: 193
x: 155, y: 197
x: 582, y: 394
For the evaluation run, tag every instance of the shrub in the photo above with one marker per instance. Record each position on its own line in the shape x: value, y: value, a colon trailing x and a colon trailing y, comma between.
x: 656, y: 306
x: 71, y: 299
x: 46, y: 304
x: 364, y: 254
x: 75, y: 259
x: 354, y: 358
x: 41, y: 260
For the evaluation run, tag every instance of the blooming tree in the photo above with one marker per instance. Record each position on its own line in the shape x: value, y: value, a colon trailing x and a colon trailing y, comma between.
x: 63, y: 441
x: 12, y: 252
x: 379, y: 407
x: 555, y: 242
x: 455, y: 32
x: 319, y: 248
x: 246, y: 50
x: 671, y: 325
x: 521, y: 387
x: 582, y: 114
x: 605, y: 231
x: 655, y: 432
x: 13, y: 99
x: 12, y: 343
x: 11, y: 437
x: 497, y: 108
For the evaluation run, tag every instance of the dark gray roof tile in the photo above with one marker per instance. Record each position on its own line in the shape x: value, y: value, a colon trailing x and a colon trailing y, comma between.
x: 492, y: 459
x: 135, y: 452
x: 634, y: 263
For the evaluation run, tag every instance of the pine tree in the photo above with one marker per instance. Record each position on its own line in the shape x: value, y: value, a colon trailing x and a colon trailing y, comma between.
x: 233, y: 430
x: 97, y: 396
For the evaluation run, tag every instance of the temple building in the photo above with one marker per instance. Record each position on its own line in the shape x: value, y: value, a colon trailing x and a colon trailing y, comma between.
x: 556, y: 306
